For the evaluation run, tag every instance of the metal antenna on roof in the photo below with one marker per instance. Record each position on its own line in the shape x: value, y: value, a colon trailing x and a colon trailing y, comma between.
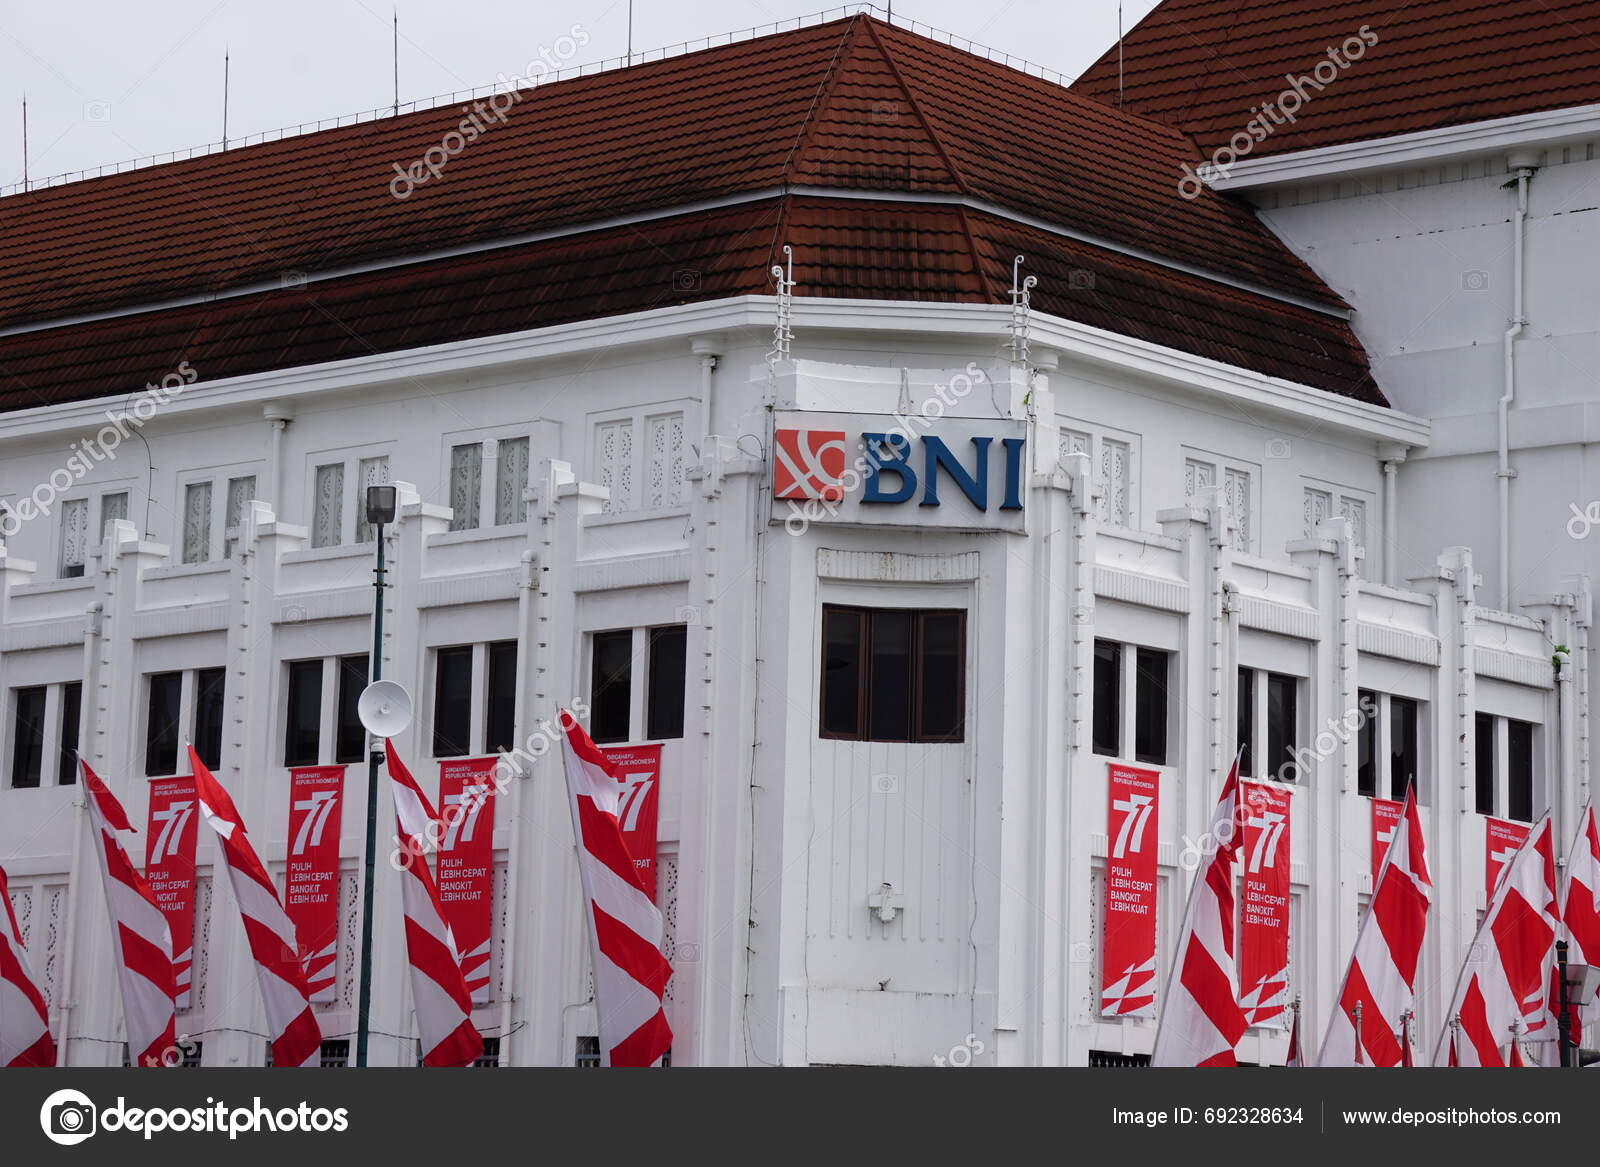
x: 783, y: 330
x: 224, y: 97
x: 630, y: 32
x: 24, y: 141
x: 397, y: 61
x: 1020, y: 310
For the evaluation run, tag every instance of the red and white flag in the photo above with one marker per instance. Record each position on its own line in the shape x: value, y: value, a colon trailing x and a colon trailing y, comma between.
x: 296, y: 1039
x: 1580, y: 902
x: 438, y: 987
x: 141, y: 939
x: 1501, y: 991
x: 630, y: 971
x: 1201, y: 1021
x: 24, y: 1021
x: 1294, y: 1060
x: 1382, y: 976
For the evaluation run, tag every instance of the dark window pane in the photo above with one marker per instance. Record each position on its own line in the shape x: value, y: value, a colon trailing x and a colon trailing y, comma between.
x: 208, y: 691
x: 349, y: 738
x: 889, y: 676
x: 941, y: 692
x: 302, y: 737
x: 1150, y: 706
x: 611, y: 685
x: 1107, y: 697
x: 1519, y: 771
x: 500, y: 706
x: 1245, y: 718
x: 27, y: 736
x: 665, y: 684
x: 1402, y: 746
x: 161, y: 726
x: 452, y: 701
x: 1282, y: 724
x: 1367, y: 744
x: 1483, y: 762
x: 71, y: 716
x: 842, y: 634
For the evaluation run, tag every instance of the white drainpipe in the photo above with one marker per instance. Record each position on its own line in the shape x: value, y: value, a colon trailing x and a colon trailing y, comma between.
x: 1522, y: 163
x: 526, y: 576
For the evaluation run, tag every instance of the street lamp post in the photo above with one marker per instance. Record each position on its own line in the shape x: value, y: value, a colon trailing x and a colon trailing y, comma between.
x: 380, y: 509
x: 1564, y: 1018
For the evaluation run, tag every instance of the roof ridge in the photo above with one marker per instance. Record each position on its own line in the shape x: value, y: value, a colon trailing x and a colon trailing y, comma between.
x: 916, y: 108
x: 824, y: 88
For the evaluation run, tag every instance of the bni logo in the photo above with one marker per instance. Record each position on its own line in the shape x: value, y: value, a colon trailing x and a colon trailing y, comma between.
x: 809, y: 464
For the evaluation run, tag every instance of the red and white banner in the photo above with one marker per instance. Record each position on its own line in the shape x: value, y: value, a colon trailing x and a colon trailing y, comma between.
x: 1201, y: 1021
x: 1501, y: 992
x: 24, y: 1020
x: 172, y: 828
x: 466, y: 864
x: 1264, y: 914
x: 1385, y: 814
x: 639, y: 768
x: 1379, y: 987
x: 1580, y: 901
x: 311, y: 879
x: 1501, y: 841
x: 291, y: 1027
x: 141, y: 941
x: 1128, y: 941
x: 630, y: 971
x: 439, y: 991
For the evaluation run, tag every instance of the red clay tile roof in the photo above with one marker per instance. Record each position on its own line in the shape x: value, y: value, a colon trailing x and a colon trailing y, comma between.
x: 852, y: 248
x: 1203, y: 65
x: 853, y: 106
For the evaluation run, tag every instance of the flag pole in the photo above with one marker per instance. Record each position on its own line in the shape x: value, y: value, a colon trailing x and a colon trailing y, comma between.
x: 374, y: 757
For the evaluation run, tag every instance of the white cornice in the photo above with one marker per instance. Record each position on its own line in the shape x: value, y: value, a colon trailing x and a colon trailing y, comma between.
x: 1544, y: 130
x: 754, y: 314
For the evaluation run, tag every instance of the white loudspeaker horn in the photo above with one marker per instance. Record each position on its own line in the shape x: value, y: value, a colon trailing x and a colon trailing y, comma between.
x: 384, y: 708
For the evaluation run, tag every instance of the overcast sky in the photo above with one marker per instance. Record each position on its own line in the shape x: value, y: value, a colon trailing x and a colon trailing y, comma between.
x: 112, y: 80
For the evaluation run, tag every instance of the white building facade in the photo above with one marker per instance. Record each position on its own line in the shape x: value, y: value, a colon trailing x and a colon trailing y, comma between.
x: 886, y: 729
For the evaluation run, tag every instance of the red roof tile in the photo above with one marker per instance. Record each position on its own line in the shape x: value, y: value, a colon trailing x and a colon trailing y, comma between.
x: 1204, y: 65
x: 844, y: 248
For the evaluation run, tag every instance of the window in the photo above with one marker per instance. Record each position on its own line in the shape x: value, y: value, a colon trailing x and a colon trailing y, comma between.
x: 303, y: 725
x: 642, y: 461
x: 452, y: 702
x: 586, y: 1052
x: 338, y: 489
x: 1269, y: 725
x: 1318, y: 505
x: 1149, y: 710
x: 197, y: 522
x: 668, y: 665
x: 466, y: 486
x: 1116, y: 472
x: 351, y: 741
x: 489, y: 1059
x: 71, y: 713
x: 610, y: 685
x: 208, y: 685
x: 334, y: 1055
x: 1519, y: 771
x: 1200, y: 474
x: 474, y: 698
x: 1402, y: 746
x: 44, y: 722
x: 74, y: 537
x: 240, y: 493
x: 510, y: 480
x: 1483, y: 762
x: 312, y: 730
x: 500, y: 705
x: 27, y: 735
x: 113, y: 505
x: 1367, y: 744
x: 904, y: 668
x: 161, y: 724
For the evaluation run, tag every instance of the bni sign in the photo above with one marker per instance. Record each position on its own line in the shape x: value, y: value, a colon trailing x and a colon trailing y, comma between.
x: 883, y: 470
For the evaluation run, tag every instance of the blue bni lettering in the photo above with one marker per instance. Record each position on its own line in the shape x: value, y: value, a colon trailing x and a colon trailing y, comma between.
x: 975, y: 486
x: 888, y: 453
